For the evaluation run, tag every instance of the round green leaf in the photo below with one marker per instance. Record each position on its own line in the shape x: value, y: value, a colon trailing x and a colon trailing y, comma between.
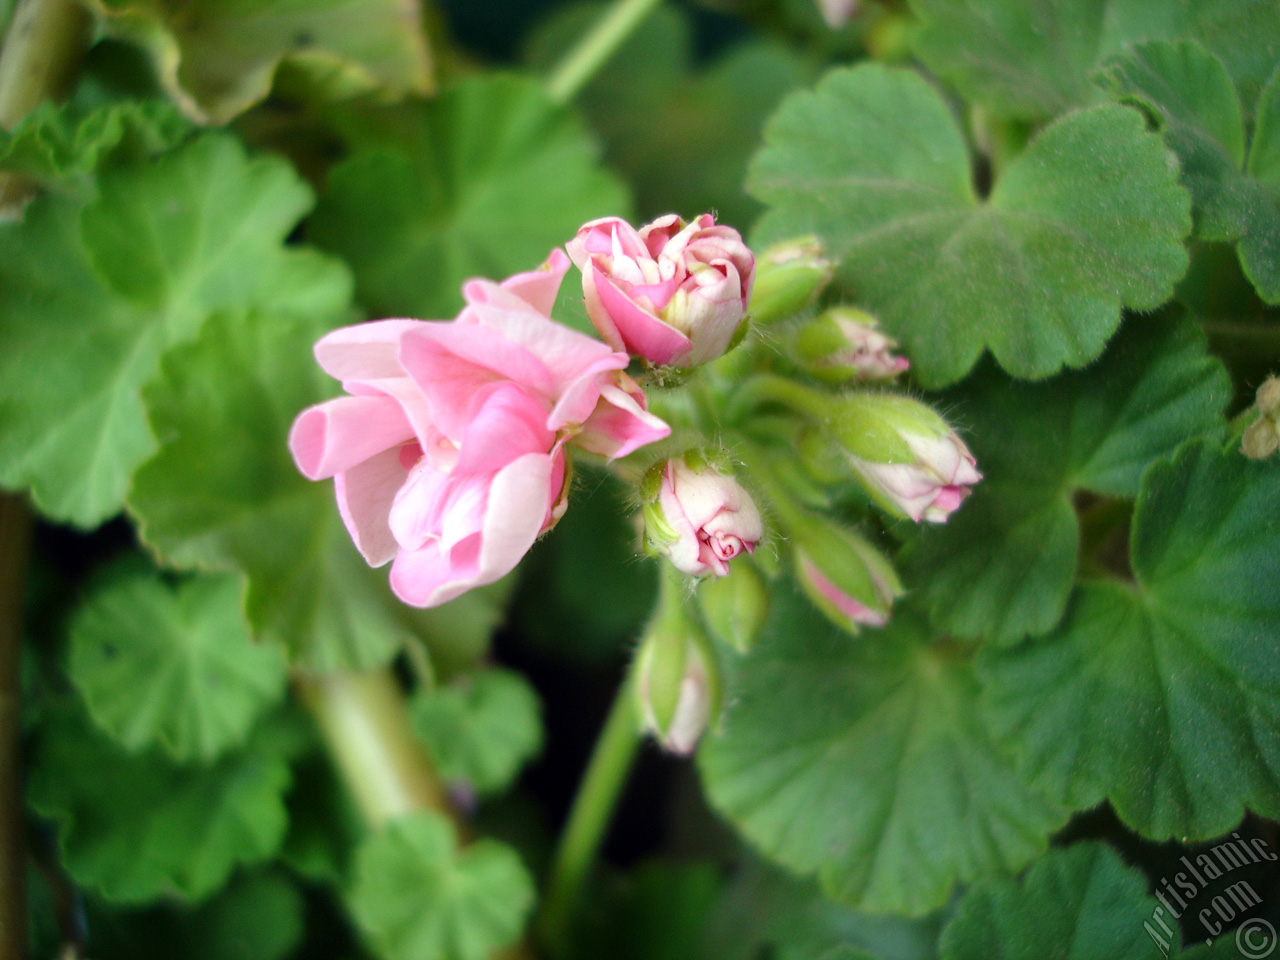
x: 482, y: 181
x: 1082, y: 903
x: 93, y: 293
x: 481, y: 729
x: 1164, y: 695
x: 1088, y: 219
x: 136, y: 828
x: 417, y: 896
x: 173, y: 666
x: 865, y: 760
x: 1189, y: 92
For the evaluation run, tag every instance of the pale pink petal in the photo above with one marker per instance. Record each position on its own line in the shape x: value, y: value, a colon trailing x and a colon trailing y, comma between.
x: 505, y: 423
x: 517, y: 506
x: 406, y: 393
x: 430, y: 576
x: 335, y: 436
x: 365, y: 351
x: 598, y: 237
x: 450, y: 362
x: 620, y: 424
x: 642, y: 333
x: 579, y: 398
x: 517, y: 511
x: 365, y: 494
x: 565, y: 353
x: 538, y: 288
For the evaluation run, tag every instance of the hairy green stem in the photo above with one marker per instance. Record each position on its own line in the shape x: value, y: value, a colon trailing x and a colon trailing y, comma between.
x: 609, y: 33
x: 592, y: 809
x: 364, y: 720
x: 772, y: 388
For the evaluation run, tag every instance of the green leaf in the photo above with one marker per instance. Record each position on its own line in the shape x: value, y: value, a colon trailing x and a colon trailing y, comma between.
x: 481, y: 729
x: 172, y: 666
x: 136, y: 828
x: 417, y: 896
x: 1003, y: 566
x: 1189, y: 92
x: 1163, y: 696
x: 1089, y: 219
x: 62, y: 147
x: 92, y: 293
x: 1082, y: 902
x: 657, y: 112
x: 217, y: 59
x: 891, y: 792
x: 1018, y: 59
x: 223, y: 493
x: 1032, y: 60
x: 258, y: 917
x: 482, y: 181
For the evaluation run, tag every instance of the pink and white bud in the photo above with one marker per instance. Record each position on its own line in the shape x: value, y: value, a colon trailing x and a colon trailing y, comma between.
x: 697, y: 516
x: 844, y: 575
x: 677, y: 677
x: 908, y: 457
x: 672, y: 292
x: 844, y: 344
x: 837, y: 12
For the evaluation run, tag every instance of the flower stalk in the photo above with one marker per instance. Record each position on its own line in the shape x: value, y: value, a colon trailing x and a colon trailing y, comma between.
x: 593, y: 807
x: 609, y: 33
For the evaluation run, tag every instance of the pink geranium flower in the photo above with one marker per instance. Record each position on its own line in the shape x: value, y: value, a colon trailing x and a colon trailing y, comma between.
x: 448, y: 452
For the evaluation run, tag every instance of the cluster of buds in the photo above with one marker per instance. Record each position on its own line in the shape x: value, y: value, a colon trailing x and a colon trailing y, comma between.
x: 1262, y: 437
x: 452, y: 449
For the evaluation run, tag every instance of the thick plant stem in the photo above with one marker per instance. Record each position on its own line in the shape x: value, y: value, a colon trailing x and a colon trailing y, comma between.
x: 592, y: 809
x: 15, y: 534
x: 582, y: 62
x: 364, y: 720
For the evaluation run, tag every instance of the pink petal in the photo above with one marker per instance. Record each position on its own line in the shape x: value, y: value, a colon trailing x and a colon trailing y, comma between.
x: 538, y: 288
x: 506, y: 423
x: 335, y: 436
x: 565, y: 353
x: 365, y: 351
x: 642, y: 333
x: 598, y: 237
x: 406, y: 393
x: 451, y: 361
x: 620, y: 425
x: 579, y: 398
x: 517, y: 504
x: 365, y: 494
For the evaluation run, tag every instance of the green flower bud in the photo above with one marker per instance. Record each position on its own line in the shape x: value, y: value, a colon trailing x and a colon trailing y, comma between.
x: 677, y: 677
x: 843, y: 574
x: 843, y: 344
x: 735, y: 606
x: 789, y: 277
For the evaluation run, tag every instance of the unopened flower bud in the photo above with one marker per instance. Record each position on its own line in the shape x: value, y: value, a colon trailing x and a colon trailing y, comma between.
x: 698, y: 516
x: 908, y: 458
x: 1262, y: 437
x: 789, y: 277
x: 844, y: 575
x: 735, y: 606
x: 672, y: 292
x: 677, y: 679
x: 843, y: 344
